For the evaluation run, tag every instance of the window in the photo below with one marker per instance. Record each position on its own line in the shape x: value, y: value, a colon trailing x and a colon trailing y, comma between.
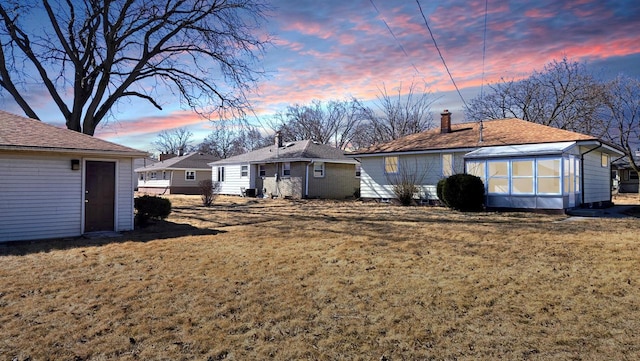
x: 548, y: 176
x: 220, y: 174
x: 476, y: 169
x: 286, y: 169
x: 141, y: 176
x: 164, y: 175
x: 358, y: 170
x: 391, y: 165
x: 153, y: 175
x: 604, y: 159
x: 244, y: 171
x: 262, y: 172
x: 447, y: 164
x: 318, y: 170
x: 190, y: 175
x: 522, y: 176
x: 498, y: 177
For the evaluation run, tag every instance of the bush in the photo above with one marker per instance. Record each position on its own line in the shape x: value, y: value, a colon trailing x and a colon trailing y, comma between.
x: 463, y: 192
x: 405, y: 190
x: 151, y: 207
x: 208, y: 191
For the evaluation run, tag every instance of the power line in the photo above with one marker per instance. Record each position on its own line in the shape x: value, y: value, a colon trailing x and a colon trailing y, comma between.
x: 440, y: 53
x: 484, y: 46
x: 393, y: 35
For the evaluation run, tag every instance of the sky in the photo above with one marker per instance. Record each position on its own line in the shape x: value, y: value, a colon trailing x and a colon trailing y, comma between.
x: 336, y: 49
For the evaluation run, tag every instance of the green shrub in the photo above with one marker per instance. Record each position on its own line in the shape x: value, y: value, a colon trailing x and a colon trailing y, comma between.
x: 439, y: 189
x: 463, y: 192
x: 151, y: 207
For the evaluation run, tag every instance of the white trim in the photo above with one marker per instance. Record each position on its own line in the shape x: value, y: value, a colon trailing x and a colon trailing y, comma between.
x: 186, y: 172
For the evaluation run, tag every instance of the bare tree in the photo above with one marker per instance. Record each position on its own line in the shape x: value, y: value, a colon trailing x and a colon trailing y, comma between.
x: 564, y: 95
x: 174, y: 141
x: 624, y: 117
x: 209, y: 190
x: 107, y: 51
x: 228, y: 139
x: 333, y: 122
x: 397, y: 115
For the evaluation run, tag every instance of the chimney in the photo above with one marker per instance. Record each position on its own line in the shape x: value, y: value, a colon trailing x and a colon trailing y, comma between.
x: 165, y: 156
x: 278, y: 139
x: 181, y: 151
x: 445, y: 122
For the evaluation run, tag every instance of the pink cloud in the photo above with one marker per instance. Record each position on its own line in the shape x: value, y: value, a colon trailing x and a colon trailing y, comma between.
x: 152, y: 124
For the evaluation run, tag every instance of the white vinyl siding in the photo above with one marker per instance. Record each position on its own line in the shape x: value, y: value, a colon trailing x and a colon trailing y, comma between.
x: 124, y: 196
x: 376, y: 183
x: 233, y: 181
x: 42, y: 197
x: 596, y: 178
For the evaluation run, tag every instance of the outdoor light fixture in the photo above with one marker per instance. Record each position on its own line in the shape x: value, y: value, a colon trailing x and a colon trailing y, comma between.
x: 75, y: 164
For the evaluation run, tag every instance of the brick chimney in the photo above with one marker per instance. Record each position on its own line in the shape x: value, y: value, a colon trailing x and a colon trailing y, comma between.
x: 278, y: 139
x: 445, y: 122
x: 165, y: 156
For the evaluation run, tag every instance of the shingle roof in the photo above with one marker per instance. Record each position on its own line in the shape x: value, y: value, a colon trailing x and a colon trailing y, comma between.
x: 510, y: 131
x: 21, y: 133
x: 188, y: 161
x: 301, y: 150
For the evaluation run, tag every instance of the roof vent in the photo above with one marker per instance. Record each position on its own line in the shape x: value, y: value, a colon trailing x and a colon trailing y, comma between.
x: 289, y: 145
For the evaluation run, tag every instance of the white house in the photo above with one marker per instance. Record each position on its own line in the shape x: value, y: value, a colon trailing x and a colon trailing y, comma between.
x: 298, y: 169
x: 59, y: 183
x: 522, y: 164
x: 175, y: 175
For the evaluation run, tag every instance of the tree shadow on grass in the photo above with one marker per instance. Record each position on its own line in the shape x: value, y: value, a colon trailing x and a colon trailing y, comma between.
x: 156, y: 230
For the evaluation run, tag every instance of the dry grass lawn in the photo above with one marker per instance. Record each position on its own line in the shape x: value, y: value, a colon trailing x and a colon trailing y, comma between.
x: 255, y: 279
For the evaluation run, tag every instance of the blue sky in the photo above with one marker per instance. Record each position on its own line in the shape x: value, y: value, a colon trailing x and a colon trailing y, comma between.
x: 335, y: 49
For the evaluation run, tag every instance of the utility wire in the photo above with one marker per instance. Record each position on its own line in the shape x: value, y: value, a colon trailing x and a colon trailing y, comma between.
x: 484, y: 46
x: 440, y: 53
x: 393, y: 35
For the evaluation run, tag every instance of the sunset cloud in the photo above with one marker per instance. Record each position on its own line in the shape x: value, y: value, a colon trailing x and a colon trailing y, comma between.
x: 335, y: 49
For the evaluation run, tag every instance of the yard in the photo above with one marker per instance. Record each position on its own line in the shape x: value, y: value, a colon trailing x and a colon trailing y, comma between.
x: 252, y: 279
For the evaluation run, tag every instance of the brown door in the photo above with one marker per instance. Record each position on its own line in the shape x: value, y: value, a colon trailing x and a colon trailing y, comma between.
x: 99, y: 197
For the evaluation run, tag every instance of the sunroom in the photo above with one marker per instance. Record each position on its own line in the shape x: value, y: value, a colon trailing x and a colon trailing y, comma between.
x: 532, y: 176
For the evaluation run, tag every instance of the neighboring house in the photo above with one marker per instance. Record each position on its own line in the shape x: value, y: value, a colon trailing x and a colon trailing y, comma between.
x: 299, y: 169
x: 625, y: 177
x: 176, y: 175
x: 56, y: 183
x: 139, y: 163
x: 522, y: 164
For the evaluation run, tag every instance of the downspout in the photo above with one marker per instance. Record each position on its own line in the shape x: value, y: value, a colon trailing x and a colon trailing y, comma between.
x: 582, y: 171
x: 306, y: 180
x: 610, y: 182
